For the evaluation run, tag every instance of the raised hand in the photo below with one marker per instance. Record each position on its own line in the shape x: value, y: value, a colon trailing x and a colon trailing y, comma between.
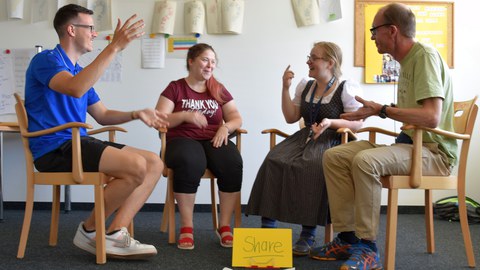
x: 288, y: 75
x: 127, y: 32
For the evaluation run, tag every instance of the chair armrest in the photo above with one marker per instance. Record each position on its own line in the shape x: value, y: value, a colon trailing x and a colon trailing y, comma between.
x: 449, y: 134
x: 77, y: 167
x: 42, y: 132
x: 273, y: 133
x: 372, y: 132
x: 111, y: 131
x: 347, y: 135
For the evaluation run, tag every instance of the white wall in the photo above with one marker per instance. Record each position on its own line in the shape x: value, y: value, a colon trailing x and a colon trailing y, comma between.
x: 251, y: 66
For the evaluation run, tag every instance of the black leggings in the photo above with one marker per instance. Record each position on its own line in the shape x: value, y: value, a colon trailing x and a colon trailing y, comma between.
x: 189, y: 158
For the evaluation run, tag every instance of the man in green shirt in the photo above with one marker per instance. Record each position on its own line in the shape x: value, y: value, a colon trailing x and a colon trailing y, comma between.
x: 353, y: 170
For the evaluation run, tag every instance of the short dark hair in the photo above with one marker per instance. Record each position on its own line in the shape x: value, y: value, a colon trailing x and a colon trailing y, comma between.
x: 402, y: 17
x: 65, y: 14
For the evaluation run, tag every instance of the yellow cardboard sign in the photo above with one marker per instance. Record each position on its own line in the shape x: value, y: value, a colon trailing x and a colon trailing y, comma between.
x: 262, y: 248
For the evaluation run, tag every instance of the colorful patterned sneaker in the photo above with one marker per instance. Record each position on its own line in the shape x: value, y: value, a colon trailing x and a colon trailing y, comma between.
x: 334, y: 250
x: 363, y: 257
x: 85, y: 240
x: 121, y: 246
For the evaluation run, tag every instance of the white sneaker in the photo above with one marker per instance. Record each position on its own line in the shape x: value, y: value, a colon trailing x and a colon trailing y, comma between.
x: 121, y: 245
x: 118, y: 245
x: 85, y: 240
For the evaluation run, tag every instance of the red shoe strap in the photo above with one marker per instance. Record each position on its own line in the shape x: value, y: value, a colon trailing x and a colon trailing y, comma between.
x: 186, y: 230
x: 224, y: 229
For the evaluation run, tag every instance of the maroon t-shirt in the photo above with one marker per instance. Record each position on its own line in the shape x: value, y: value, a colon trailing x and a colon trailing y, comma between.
x: 186, y: 99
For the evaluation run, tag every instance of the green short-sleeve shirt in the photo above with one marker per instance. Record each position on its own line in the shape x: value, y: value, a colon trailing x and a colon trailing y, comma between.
x: 424, y: 75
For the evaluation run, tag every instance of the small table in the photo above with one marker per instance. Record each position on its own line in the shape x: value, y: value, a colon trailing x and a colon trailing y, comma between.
x: 10, y: 127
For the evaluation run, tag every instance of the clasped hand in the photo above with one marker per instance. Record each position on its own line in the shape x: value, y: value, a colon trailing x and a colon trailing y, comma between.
x: 153, y: 118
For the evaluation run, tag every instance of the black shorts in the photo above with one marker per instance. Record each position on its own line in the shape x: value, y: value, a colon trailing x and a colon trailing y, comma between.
x: 60, y: 159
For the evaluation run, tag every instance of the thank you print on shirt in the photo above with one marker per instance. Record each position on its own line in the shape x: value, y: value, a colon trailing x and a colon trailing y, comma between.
x: 208, y: 107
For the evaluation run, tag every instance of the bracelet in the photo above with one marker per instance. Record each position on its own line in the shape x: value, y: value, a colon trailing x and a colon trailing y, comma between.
x: 133, y: 115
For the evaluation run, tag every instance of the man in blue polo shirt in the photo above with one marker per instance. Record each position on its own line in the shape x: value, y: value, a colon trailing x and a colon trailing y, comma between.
x: 57, y: 91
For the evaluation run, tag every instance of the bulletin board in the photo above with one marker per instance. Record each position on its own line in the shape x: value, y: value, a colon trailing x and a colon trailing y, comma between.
x: 361, y: 32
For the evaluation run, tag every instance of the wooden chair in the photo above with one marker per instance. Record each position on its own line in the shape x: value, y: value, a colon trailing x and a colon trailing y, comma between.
x: 56, y: 179
x: 465, y: 115
x: 168, y: 219
x: 347, y: 135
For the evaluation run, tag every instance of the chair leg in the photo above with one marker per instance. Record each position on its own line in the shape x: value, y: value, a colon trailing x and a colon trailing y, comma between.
x: 213, y: 195
x: 391, y: 233
x: 164, y: 223
x: 467, y: 240
x: 100, y: 224
x: 55, y: 215
x: 27, y: 219
x: 238, y: 211
x: 429, y: 221
x: 328, y: 233
x: 171, y: 209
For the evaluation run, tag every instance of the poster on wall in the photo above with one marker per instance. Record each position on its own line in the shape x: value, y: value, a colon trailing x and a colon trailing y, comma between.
x: 432, y: 25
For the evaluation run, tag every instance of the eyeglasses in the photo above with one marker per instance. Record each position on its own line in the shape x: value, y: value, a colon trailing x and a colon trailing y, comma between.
x: 314, y: 58
x: 373, y: 30
x: 92, y: 27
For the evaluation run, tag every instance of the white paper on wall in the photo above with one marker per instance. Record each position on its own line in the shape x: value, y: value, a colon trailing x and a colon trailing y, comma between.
x: 153, y: 52
x: 39, y: 10
x: 232, y: 16
x: 214, y: 16
x: 102, y: 14
x: 306, y: 12
x: 194, y: 16
x: 164, y: 17
x: 15, y: 9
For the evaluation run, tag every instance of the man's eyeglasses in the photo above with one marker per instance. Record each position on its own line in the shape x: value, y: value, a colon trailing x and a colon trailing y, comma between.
x: 373, y: 30
x: 92, y: 27
x: 314, y: 58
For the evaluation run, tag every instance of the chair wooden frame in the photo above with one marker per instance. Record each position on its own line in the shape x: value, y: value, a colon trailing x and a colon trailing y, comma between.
x: 56, y: 179
x: 347, y: 135
x: 465, y: 115
x: 168, y: 219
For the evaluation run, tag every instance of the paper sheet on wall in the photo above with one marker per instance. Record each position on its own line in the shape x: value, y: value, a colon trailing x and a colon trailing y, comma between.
x: 232, y: 16
x: 7, y: 84
x: 153, y: 52
x: 21, y: 61
x: 164, y: 17
x: 194, y: 16
x: 225, y: 16
x: 15, y: 9
x: 102, y: 14
x: 114, y: 71
x: 214, y: 16
x: 61, y: 3
x: 39, y: 10
x: 306, y: 12
x: 334, y: 9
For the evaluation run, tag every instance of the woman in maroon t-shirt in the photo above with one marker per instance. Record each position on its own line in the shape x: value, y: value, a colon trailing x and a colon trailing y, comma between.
x: 202, y: 114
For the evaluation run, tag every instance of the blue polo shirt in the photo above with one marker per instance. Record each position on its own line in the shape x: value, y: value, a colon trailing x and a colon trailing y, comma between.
x: 47, y: 108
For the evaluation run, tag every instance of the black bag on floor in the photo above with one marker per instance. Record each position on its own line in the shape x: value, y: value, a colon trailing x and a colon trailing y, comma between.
x: 447, y: 209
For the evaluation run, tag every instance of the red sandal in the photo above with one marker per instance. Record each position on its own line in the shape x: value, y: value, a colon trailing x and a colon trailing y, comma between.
x: 226, y: 241
x: 186, y: 242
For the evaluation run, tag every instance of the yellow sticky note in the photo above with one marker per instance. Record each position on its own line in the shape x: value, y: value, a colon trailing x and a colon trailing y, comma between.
x: 262, y: 248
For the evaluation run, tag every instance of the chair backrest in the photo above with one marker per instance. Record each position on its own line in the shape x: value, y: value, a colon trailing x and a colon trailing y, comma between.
x: 464, y: 112
x: 22, y: 119
x: 464, y: 121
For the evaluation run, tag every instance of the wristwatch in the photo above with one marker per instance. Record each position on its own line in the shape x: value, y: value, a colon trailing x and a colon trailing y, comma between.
x: 383, y: 112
